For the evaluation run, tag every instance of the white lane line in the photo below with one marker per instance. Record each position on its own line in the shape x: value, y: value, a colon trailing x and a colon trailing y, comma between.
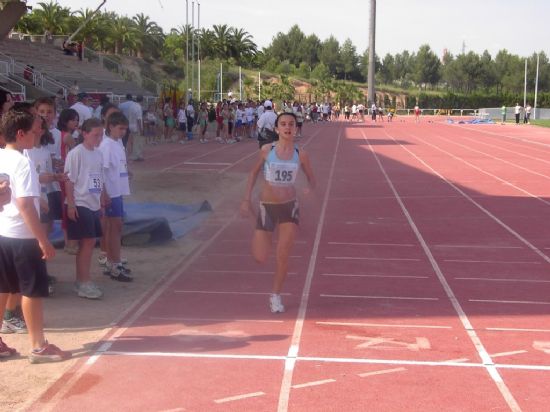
x: 518, y: 330
x: 371, y: 258
x: 383, y: 325
x: 207, y: 163
x: 194, y: 158
x: 500, y: 262
x: 247, y: 255
x: 514, y: 302
x: 505, y: 280
x: 359, y: 361
x: 380, y: 372
x: 314, y: 383
x: 373, y: 276
x: 371, y: 244
x: 302, y: 242
x: 480, y: 348
x: 515, y: 352
x: 239, y: 397
x: 375, y: 297
x: 225, y: 320
x: 457, y: 360
x: 225, y: 292
x: 477, y: 247
x: 284, y: 394
x: 254, y: 272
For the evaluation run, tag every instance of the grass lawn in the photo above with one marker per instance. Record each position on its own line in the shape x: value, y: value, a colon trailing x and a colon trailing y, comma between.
x: 543, y: 123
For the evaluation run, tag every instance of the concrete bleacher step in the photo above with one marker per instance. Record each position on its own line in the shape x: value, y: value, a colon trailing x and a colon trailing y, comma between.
x: 51, y: 61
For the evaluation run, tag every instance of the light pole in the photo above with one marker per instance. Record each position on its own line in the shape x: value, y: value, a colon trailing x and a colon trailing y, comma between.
x: 372, y: 54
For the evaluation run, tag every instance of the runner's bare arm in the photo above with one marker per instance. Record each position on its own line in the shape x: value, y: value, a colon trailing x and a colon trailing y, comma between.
x: 253, y: 175
x: 306, y: 166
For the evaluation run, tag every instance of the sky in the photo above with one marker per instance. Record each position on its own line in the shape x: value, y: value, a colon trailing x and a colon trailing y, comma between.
x: 520, y: 27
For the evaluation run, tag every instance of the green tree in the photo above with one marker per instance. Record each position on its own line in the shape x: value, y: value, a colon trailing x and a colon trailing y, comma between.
x: 387, y: 69
x: 149, y: 35
x: 426, y: 66
x: 53, y: 17
x: 330, y: 55
x: 349, y: 61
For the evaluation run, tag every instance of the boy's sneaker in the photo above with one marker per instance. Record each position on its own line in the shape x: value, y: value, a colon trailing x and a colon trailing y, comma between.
x: 49, y: 353
x: 13, y: 325
x: 276, y: 304
x: 102, y: 259
x: 120, y: 273
x: 89, y: 290
x: 5, y: 350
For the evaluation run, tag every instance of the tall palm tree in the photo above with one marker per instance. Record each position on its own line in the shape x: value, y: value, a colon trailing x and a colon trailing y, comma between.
x: 242, y: 45
x: 222, y: 43
x: 124, y: 35
x: 150, y: 34
x: 53, y: 17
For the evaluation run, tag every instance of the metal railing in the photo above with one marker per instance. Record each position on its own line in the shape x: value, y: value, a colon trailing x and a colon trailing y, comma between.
x: 17, y: 89
x: 39, y: 79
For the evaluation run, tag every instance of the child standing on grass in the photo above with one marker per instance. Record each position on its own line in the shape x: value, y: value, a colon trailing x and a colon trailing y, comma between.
x: 24, y: 245
x: 115, y: 171
x: 84, y: 167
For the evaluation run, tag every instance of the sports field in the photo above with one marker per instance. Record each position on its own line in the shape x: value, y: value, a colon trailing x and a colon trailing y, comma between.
x: 419, y: 281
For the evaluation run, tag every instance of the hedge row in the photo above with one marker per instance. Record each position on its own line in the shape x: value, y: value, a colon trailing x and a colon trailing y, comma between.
x: 474, y: 101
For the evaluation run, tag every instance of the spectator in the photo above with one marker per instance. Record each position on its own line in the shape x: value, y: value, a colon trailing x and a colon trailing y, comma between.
x: 517, y: 112
x: 82, y: 107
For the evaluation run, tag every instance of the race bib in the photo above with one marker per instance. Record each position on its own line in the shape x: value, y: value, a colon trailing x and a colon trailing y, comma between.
x: 94, y: 183
x: 123, y: 168
x: 282, y: 174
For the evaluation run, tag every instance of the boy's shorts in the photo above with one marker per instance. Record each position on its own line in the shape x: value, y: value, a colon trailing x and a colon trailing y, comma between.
x: 182, y: 127
x: 116, y: 208
x: 87, y: 225
x: 22, y: 269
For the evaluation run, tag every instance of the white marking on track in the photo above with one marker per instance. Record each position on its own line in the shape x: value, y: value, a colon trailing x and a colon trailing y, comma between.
x: 514, y: 302
x: 477, y: 247
x: 543, y: 346
x: 372, y: 258
x: 372, y: 244
x: 383, y: 325
x: 373, y: 276
x: 376, y: 297
x: 254, y: 272
x: 378, y: 343
x: 380, y: 372
x: 517, y: 330
x: 247, y: 255
x: 501, y: 262
x: 500, y: 354
x: 207, y: 163
x: 226, y: 292
x: 313, y: 383
x: 505, y: 280
x: 226, y: 320
x: 239, y: 397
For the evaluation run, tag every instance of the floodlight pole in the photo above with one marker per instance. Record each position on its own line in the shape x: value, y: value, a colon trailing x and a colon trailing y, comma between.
x: 372, y: 54
x: 90, y: 17
x: 536, y: 88
x: 192, y: 47
x: 525, y: 86
x: 199, y: 50
x: 186, y: 48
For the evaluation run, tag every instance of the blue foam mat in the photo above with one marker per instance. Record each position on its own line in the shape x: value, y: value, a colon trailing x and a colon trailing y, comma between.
x: 141, y: 218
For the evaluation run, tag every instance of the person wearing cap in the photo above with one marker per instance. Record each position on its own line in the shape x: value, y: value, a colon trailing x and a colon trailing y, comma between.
x: 82, y: 107
x: 266, y: 125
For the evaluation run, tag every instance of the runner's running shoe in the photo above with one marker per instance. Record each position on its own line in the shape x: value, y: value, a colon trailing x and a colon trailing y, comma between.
x: 5, y: 350
x: 13, y: 325
x: 276, y: 303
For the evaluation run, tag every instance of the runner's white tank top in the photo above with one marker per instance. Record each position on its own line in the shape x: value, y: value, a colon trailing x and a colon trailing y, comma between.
x: 279, y: 172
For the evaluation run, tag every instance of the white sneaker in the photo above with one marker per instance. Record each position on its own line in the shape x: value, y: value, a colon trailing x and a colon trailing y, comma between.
x: 275, y: 303
x: 89, y: 290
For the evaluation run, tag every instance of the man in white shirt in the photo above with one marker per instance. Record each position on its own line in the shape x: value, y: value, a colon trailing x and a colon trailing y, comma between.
x: 266, y: 125
x: 82, y: 107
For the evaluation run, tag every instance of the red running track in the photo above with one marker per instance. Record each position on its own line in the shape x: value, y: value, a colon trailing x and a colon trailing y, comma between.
x: 419, y: 281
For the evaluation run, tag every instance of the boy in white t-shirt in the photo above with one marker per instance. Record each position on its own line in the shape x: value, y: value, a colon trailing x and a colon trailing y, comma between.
x: 115, y: 171
x: 24, y: 245
x: 84, y: 168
